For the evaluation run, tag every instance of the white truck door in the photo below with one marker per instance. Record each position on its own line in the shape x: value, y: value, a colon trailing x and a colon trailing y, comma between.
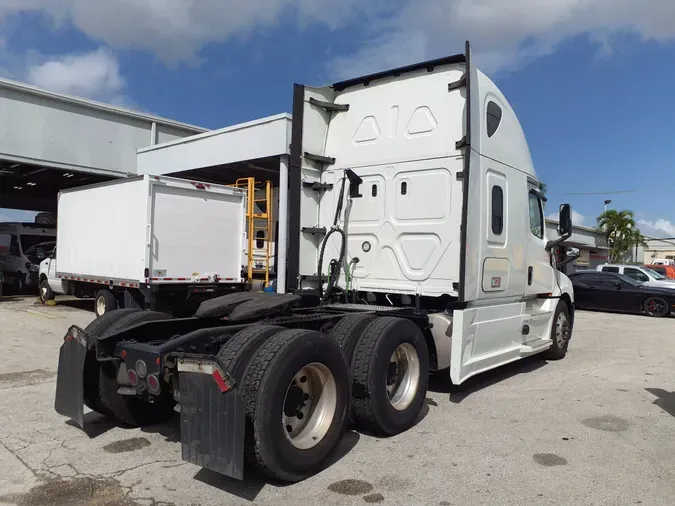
x: 540, y: 275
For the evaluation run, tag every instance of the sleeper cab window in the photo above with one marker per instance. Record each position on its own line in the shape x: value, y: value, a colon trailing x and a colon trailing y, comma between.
x: 494, y: 118
x: 497, y: 210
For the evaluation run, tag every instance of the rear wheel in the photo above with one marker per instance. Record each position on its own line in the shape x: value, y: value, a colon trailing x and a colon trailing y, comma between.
x: 105, y: 301
x: 656, y: 307
x: 128, y: 409
x: 46, y: 293
x: 347, y: 332
x: 236, y: 354
x: 296, y: 392
x: 98, y: 328
x: 390, y: 371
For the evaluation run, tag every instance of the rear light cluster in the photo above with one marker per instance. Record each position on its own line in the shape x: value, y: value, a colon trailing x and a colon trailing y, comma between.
x: 140, y: 373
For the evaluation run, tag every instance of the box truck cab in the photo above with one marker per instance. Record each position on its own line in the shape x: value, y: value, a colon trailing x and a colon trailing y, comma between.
x: 414, y: 243
x: 21, y: 249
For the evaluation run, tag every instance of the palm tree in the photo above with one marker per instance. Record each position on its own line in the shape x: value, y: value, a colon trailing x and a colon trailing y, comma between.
x: 621, y: 232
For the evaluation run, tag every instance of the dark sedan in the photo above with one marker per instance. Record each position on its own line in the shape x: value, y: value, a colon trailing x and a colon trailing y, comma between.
x: 616, y: 292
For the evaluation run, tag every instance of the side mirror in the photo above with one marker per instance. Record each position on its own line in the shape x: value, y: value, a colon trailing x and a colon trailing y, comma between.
x: 618, y: 285
x: 565, y: 221
x: 573, y: 253
x: 564, y: 226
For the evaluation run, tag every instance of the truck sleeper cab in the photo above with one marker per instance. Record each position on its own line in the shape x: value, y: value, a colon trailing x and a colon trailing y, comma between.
x: 416, y: 243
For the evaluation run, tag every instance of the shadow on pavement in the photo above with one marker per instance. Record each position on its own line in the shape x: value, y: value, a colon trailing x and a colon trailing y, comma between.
x: 664, y: 399
x: 81, y: 304
x: 440, y: 382
x: 95, y: 424
x: 169, y: 429
x: 249, y: 488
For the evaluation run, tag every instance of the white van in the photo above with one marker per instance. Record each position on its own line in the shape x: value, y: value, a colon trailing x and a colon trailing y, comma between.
x: 645, y: 275
x: 20, y: 252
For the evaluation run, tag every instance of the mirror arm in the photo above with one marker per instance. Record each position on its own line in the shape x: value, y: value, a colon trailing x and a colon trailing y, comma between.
x: 552, y: 244
x: 566, y: 261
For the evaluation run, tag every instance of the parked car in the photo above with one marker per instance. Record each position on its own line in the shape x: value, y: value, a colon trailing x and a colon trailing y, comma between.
x: 644, y: 275
x: 617, y: 292
x: 666, y: 270
x: 16, y: 241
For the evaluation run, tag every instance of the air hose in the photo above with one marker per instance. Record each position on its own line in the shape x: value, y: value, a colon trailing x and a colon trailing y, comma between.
x: 334, y: 271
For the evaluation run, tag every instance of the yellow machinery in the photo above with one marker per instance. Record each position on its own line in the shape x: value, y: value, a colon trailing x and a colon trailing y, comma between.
x: 259, y: 226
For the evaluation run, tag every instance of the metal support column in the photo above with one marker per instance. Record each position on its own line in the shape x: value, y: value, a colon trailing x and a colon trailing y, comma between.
x: 282, y: 239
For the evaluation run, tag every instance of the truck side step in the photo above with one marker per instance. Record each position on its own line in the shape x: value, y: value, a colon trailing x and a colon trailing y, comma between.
x: 535, y: 347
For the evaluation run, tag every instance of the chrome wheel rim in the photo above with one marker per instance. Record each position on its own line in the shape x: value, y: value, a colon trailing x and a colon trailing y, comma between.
x: 309, y: 406
x: 43, y: 291
x: 403, y: 376
x: 562, y: 330
x: 100, y: 306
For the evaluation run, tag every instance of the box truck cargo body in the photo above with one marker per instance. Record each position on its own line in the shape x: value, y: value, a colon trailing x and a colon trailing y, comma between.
x: 148, y: 234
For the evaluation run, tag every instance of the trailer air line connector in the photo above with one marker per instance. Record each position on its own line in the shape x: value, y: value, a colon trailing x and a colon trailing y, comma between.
x: 336, y: 263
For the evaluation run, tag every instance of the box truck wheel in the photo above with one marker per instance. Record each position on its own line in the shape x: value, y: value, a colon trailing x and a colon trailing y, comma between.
x: 132, y: 410
x: 347, y: 332
x: 46, y: 293
x: 296, y: 391
x: 104, y: 301
x: 390, y: 371
x: 561, y: 331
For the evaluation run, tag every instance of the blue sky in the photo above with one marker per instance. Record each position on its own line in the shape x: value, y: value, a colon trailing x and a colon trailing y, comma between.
x: 591, y: 80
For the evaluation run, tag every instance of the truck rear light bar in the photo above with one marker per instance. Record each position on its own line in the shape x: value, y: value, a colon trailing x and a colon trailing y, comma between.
x: 153, y: 384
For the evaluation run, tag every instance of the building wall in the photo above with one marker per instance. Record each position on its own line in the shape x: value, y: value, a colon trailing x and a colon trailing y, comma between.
x: 592, y: 246
x: 54, y: 130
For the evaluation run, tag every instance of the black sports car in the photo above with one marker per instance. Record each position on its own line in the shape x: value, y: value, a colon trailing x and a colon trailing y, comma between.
x: 616, y: 292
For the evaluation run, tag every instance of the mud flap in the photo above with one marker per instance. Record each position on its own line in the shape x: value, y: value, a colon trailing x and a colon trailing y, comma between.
x: 212, y: 425
x: 70, y: 377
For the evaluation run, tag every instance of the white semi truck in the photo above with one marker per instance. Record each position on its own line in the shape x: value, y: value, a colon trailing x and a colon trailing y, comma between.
x: 434, y: 258
x: 169, y: 244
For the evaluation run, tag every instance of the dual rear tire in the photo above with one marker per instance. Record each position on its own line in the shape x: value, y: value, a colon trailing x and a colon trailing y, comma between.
x: 299, y: 388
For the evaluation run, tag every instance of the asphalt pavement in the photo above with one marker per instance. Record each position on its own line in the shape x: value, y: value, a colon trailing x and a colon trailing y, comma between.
x: 595, y: 428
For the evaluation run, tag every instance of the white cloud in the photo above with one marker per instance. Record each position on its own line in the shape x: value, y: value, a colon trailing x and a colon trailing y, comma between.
x: 92, y: 75
x: 506, y: 34
x: 176, y: 30
x: 658, y: 228
x: 577, y: 218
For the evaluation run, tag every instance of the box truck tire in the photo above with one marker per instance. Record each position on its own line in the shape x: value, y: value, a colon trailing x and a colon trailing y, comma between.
x: 131, y: 410
x: 560, y: 332
x: 296, y: 392
x: 105, y: 301
x: 46, y: 293
x: 390, y: 372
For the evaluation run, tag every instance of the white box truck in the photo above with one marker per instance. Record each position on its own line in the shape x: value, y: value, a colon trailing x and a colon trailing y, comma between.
x: 434, y: 258
x: 147, y: 242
